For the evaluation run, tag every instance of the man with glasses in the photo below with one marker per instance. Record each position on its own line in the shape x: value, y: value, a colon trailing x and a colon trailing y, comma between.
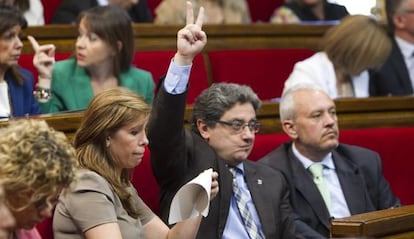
x: 221, y: 137
x: 253, y: 203
x: 396, y: 77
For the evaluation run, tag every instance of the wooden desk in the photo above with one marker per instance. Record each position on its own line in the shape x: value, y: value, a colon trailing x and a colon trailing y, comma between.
x: 150, y: 37
x: 352, y: 113
x: 395, y: 223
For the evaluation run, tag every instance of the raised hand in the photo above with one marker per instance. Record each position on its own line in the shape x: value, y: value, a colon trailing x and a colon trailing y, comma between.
x: 44, y: 58
x: 191, y: 39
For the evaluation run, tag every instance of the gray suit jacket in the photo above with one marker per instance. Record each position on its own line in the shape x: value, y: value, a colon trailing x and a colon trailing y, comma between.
x: 178, y: 155
x: 360, y: 175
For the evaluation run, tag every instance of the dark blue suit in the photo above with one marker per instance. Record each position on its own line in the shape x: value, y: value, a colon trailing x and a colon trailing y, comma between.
x: 393, y: 78
x: 22, y: 100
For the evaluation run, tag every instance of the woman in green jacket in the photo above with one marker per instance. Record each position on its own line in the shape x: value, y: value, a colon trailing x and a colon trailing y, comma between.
x: 103, y: 59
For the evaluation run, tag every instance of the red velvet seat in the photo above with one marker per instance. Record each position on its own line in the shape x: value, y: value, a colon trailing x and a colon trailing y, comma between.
x: 265, y: 70
x: 157, y: 63
x: 49, y: 7
x: 395, y: 148
x: 262, y: 10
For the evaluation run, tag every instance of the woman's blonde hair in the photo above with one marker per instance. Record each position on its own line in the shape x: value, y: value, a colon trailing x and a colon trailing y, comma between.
x: 358, y: 43
x: 109, y: 111
x: 35, y: 157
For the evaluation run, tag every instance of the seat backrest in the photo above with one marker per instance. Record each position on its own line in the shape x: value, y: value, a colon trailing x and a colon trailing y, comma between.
x: 157, y: 63
x: 49, y: 8
x: 265, y: 70
x: 394, y: 145
x: 262, y: 10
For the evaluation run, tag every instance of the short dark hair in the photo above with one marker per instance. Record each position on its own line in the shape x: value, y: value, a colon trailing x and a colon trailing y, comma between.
x: 213, y: 102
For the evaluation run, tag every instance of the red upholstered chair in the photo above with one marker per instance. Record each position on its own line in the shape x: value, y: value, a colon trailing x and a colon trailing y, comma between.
x: 49, y: 7
x: 152, y: 4
x: 262, y: 10
x: 265, y: 70
x: 395, y: 148
x: 157, y: 63
x: 145, y: 183
x: 266, y: 143
x: 45, y: 228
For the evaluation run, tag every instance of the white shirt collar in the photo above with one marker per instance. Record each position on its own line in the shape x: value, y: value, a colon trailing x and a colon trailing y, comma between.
x: 103, y: 2
x: 407, y: 48
x: 327, y: 161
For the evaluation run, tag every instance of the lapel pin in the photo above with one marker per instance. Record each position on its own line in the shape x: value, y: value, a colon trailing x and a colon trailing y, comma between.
x: 259, y: 181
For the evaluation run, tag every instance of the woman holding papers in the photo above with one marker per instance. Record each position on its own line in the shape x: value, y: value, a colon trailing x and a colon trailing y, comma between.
x: 102, y: 203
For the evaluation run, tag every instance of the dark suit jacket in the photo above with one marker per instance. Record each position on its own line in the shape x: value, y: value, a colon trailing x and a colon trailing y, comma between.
x: 68, y: 11
x: 178, y: 155
x: 22, y: 100
x: 360, y: 175
x: 393, y: 77
x: 332, y: 12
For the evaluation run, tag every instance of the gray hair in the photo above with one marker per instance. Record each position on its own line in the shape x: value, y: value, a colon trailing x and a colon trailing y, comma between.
x: 287, y: 104
x: 213, y: 102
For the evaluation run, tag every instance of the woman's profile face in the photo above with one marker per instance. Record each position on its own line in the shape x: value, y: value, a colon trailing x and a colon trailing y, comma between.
x: 91, y: 50
x: 10, y: 46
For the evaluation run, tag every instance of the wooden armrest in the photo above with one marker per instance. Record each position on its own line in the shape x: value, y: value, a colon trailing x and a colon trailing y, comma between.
x: 396, y: 221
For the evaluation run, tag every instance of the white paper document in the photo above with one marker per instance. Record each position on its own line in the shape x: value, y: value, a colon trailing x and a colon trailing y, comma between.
x: 192, y: 199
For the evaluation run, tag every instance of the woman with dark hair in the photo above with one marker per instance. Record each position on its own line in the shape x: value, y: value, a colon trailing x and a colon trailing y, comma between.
x: 103, y: 59
x: 16, y: 83
x: 296, y: 11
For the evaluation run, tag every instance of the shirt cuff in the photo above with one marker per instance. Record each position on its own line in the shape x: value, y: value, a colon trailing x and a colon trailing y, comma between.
x: 177, y: 78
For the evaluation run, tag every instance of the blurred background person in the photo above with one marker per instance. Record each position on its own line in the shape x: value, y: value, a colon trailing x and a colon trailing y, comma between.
x: 68, y: 11
x: 396, y: 76
x: 32, y: 10
x: 297, y: 11
x: 16, y: 83
x: 37, y: 162
x: 349, y: 49
x: 216, y: 11
x: 103, y: 60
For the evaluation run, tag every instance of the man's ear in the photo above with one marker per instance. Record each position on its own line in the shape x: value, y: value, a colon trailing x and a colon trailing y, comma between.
x: 399, y: 21
x: 289, y: 128
x: 203, y: 129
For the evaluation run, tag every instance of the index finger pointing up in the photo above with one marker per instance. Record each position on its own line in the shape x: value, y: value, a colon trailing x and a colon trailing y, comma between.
x: 34, y: 43
x: 190, y: 13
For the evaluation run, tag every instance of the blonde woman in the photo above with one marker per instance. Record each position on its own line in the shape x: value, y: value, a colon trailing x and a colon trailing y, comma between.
x: 37, y: 163
x: 357, y: 44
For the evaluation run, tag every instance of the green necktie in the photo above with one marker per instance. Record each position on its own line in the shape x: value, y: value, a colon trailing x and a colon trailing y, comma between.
x: 317, y: 171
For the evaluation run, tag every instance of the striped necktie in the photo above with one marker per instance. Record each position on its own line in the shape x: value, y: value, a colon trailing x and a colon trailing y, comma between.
x: 245, y: 214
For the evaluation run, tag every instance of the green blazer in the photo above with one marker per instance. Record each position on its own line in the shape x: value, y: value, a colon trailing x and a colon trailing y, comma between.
x: 71, y: 86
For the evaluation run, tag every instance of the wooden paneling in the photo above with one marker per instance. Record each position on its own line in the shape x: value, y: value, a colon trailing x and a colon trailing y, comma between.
x: 149, y: 37
x: 352, y: 113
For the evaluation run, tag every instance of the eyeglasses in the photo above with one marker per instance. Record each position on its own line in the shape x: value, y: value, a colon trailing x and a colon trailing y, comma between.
x: 238, y: 126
